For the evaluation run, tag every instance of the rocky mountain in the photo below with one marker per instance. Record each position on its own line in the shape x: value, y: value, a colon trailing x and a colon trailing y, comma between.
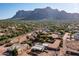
x: 44, y: 13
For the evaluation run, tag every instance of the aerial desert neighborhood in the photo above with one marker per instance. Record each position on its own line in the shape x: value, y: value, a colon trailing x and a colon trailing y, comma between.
x: 39, y: 29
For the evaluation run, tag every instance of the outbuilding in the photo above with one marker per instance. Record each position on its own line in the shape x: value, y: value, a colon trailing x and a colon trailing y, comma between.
x: 76, y: 36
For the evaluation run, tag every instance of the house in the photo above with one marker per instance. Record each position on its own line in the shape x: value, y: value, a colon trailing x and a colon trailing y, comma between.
x: 34, y: 34
x: 47, y: 30
x: 21, y: 48
x: 45, y: 44
x: 55, y: 36
x: 38, y: 47
x: 55, y: 45
x: 76, y: 36
x: 44, y: 32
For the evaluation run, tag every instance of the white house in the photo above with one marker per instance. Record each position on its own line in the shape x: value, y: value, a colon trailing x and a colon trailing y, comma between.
x: 76, y: 36
x: 38, y: 47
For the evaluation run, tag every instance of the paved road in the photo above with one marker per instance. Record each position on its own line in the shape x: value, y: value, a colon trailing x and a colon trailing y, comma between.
x: 63, y: 50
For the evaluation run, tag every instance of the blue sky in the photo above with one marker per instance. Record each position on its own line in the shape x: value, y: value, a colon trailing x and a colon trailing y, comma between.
x: 7, y: 10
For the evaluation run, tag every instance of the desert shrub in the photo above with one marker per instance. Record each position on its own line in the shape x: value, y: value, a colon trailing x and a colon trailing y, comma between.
x: 14, y: 52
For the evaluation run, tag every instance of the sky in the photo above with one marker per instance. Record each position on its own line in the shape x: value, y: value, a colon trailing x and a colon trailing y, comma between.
x: 7, y: 10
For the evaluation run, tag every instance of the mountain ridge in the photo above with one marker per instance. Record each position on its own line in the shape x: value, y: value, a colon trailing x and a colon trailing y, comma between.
x: 44, y: 13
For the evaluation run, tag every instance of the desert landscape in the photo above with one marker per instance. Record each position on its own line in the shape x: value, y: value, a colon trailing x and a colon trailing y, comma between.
x: 39, y: 32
